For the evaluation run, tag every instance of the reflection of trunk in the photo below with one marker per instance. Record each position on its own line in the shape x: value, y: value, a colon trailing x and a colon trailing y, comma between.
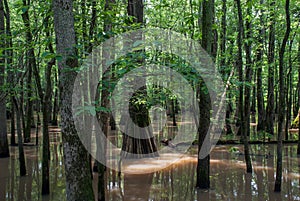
x: 281, y: 99
x: 29, y: 180
x: 12, y: 176
x: 137, y: 186
x: 4, y: 175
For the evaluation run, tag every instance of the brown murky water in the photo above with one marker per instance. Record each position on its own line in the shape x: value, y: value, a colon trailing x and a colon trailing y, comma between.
x: 177, y: 182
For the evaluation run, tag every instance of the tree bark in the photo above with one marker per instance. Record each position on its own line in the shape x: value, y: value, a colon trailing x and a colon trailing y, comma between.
x: 11, y: 76
x: 271, y: 74
x: 243, y: 109
x: 20, y: 140
x: 260, y: 95
x: 77, y: 167
x: 203, y: 164
x: 298, y: 147
x: 281, y: 99
x: 31, y: 63
x: 136, y: 147
x: 4, y: 151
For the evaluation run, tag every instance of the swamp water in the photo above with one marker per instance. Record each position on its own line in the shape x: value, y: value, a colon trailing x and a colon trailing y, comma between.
x: 177, y: 182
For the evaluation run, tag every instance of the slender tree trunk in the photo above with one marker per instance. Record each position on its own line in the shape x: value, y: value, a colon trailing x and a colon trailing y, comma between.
x: 77, y: 167
x: 248, y: 73
x: 20, y: 141
x: 260, y: 95
x: 31, y: 63
x: 55, y: 103
x: 298, y: 148
x: 45, y: 98
x: 103, y: 116
x: 203, y: 164
x: 244, y: 121
x: 271, y: 74
x: 281, y: 99
x: 11, y: 76
x: 289, y: 90
x: 4, y: 151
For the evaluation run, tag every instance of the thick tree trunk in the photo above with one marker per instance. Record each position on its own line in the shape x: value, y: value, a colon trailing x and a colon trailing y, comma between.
x: 4, y: 151
x: 77, y: 167
x: 133, y: 146
x: 281, y: 99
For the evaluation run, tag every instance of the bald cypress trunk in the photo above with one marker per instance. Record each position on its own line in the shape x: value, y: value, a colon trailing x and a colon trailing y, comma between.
x: 139, y: 114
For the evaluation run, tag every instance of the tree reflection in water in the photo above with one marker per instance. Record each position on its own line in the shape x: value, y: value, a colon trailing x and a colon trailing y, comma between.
x: 229, y: 181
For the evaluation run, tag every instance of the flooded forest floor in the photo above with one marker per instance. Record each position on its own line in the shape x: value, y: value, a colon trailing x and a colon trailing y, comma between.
x: 229, y: 180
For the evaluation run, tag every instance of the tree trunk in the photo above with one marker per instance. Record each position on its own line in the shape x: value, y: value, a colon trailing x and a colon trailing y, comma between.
x: 103, y: 116
x: 11, y: 75
x: 133, y: 146
x: 244, y: 109
x: 77, y: 167
x: 281, y: 99
x: 259, y: 94
x: 298, y: 148
x: 4, y: 151
x: 271, y: 63
x: 203, y: 164
x: 54, y: 121
x: 31, y: 63
x: 20, y: 140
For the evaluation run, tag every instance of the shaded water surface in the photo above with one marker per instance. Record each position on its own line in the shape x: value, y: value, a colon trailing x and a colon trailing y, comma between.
x: 177, y: 182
